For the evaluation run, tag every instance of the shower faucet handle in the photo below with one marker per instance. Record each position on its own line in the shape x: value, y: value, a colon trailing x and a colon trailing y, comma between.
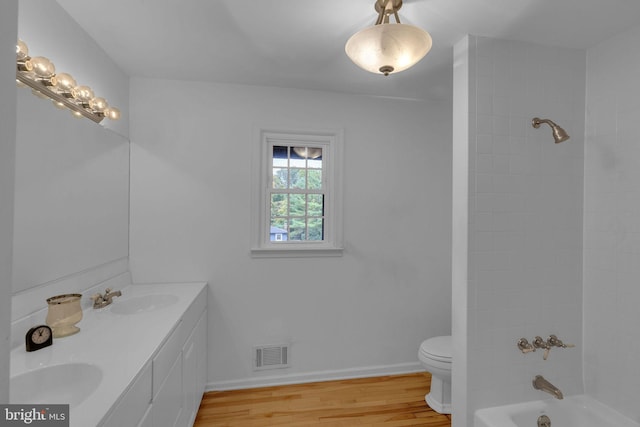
x: 538, y: 342
x: 554, y: 341
x: 524, y: 346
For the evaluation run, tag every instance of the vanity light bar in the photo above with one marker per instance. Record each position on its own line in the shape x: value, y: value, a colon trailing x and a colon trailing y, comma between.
x: 39, y: 74
x: 58, y: 98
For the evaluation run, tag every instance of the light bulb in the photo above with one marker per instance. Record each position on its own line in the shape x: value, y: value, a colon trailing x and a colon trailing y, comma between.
x: 66, y: 83
x: 112, y: 112
x: 98, y: 104
x: 22, y: 51
x: 82, y: 93
x: 42, y: 67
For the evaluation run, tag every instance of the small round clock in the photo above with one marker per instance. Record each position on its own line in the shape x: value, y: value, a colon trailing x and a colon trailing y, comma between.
x: 38, y: 337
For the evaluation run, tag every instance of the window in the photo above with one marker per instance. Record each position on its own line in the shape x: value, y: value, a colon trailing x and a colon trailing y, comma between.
x: 298, y: 194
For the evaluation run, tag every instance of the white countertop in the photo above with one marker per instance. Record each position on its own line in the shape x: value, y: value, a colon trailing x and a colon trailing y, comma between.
x: 119, y: 344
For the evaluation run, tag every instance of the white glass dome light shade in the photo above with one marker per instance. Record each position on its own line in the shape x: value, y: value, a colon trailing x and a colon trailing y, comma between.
x: 388, y: 48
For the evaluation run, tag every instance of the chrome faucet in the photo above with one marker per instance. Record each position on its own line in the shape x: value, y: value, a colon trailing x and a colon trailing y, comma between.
x: 100, y: 300
x: 544, y: 421
x: 539, y: 383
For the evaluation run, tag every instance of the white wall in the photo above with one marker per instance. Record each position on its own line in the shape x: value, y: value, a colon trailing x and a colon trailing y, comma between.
x: 462, y: 74
x: 612, y: 224
x: 365, y: 312
x: 8, y: 32
x: 525, y: 221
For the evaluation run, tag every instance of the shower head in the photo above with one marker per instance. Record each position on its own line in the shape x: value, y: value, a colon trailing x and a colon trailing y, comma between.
x: 559, y: 134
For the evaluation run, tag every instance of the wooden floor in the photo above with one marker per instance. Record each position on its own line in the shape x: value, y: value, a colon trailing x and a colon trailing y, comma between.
x: 368, y: 402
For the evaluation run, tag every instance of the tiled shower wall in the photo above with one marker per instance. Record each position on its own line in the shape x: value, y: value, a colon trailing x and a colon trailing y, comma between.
x: 612, y: 224
x: 525, y: 212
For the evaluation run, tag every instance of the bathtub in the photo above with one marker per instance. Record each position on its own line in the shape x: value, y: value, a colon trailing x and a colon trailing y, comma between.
x: 573, y: 411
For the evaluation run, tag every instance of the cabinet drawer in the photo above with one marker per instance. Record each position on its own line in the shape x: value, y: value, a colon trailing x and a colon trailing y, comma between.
x: 192, y: 315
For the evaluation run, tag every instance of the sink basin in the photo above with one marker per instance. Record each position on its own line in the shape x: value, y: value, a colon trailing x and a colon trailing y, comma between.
x: 69, y: 383
x: 143, y: 304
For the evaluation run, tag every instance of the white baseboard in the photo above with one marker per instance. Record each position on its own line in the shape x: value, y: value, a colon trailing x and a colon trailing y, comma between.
x: 300, y: 378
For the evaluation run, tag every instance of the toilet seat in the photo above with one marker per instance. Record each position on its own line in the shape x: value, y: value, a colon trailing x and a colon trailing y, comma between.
x: 437, y: 348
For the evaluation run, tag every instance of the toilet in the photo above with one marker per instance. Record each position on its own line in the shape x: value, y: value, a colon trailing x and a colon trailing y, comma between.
x: 435, y: 356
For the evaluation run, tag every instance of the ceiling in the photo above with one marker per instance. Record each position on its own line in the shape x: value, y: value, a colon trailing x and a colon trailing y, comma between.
x: 300, y: 43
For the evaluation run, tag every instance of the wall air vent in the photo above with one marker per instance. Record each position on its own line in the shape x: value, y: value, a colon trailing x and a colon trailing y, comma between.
x: 271, y: 356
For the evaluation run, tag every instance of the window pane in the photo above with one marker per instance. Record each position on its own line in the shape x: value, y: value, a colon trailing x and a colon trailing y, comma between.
x: 311, y: 153
x: 298, y: 163
x: 298, y: 206
x: 278, y: 231
x: 298, y: 178
x: 280, y: 152
x: 280, y: 223
x: 281, y: 163
x: 297, y: 229
x: 280, y: 178
x: 315, y: 206
x: 315, y: 163
x: 314, y: 179
x: 316, y: 229
x: 279, y: 205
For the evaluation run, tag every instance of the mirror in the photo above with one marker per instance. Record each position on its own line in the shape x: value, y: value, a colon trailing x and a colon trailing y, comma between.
x: 71, y: 194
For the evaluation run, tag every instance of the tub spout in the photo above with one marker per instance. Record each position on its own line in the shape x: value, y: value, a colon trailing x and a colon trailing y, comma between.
x: 539, y: 383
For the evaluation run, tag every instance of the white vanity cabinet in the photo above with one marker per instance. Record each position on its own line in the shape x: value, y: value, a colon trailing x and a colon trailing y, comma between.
x: 194, y: 371
x: 168, y: 391
x: 178, y: 369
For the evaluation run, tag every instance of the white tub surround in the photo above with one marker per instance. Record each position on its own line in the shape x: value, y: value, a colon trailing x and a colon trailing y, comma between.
x: 574, y: 411
x: 149, y: 355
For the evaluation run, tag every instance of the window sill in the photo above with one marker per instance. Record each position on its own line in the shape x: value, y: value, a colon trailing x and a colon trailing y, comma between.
x: 295, y: 252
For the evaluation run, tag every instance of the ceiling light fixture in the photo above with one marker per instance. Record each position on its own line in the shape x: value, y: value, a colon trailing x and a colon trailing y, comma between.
x: 388, y: 48
x: 39, y: 74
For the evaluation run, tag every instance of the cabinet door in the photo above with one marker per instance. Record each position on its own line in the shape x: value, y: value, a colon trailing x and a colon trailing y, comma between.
x: 167, y: 404
x: 194, y: 370
x: 202, y: 362
x: 189, y: 371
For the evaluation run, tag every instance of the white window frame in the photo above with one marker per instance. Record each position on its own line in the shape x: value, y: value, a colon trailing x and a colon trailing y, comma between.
x: 331, y: 142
